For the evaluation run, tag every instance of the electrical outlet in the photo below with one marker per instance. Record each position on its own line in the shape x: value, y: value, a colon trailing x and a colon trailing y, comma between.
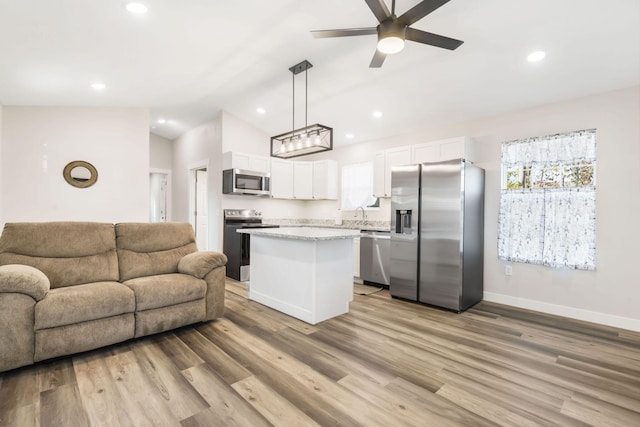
x: 508, y: 270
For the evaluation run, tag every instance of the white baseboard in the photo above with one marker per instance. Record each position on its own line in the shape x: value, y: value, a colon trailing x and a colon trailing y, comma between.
x: 561, y: 310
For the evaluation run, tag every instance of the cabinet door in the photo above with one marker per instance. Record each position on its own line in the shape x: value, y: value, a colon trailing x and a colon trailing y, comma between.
x: 379, y: 174
x: 281, y: 179
x: 303, y: 180
x: 452, y: 149
x: 425, y: 153
x: 325, y: 179
x: 249, y: 162
x: 259, y: 164
x: 395, y: 157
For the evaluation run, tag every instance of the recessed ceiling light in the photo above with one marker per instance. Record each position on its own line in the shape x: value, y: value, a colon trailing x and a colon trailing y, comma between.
x: 161, y: 121
x: 98, y: 86
x: 377, y: 114
x: 536, y: 56
x: 137, y: 8
x: 260, y: 110
x: 349, y: 136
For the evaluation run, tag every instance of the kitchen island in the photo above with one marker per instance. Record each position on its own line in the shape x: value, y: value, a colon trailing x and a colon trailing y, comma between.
x: 305, y: 272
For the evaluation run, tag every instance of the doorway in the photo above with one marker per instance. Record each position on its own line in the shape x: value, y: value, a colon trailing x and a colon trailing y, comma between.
x: 158, y: 189
x: 198, y: 202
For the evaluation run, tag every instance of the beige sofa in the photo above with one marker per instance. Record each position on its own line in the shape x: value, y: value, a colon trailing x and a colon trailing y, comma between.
x: 68, y: 287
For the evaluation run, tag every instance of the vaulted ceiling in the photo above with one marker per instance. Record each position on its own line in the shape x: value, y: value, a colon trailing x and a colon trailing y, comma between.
x: 187, y: 60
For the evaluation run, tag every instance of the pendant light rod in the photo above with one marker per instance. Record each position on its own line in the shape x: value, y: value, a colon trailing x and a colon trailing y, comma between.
x: 297, y: 69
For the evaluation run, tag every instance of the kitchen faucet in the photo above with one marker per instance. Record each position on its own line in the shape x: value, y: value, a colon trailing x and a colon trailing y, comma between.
x: 364, y: 216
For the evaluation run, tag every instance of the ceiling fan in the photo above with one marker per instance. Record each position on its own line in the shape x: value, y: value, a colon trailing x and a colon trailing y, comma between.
x: 393, y: 31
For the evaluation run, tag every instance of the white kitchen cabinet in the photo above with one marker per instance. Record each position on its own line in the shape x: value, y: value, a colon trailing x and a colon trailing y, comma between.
x: 303, y: 180
x: 446, y: 149
x: 281, y: 179
x: 250, y: 162
x: 325, y: 179
x: 356, y: 257
x: 378, y: 174
x: 383, y: 162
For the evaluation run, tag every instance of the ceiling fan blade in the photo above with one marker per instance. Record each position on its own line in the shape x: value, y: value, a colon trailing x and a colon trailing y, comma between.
x: 378, y: 59
x: 379, y: 9
x: 347, y: 32
x: 419, y: 11
x: 432, y: 39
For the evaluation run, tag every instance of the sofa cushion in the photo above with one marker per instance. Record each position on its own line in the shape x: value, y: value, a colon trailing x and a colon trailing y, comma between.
x: 165, y: 289
x: 68, y: 253
x: 149, y: 249
x: 81, y: 303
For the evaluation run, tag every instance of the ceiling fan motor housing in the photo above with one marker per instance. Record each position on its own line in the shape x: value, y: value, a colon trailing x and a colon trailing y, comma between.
x: 391, y: 36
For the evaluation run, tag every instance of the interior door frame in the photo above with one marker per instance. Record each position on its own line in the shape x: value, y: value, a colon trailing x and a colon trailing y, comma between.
x: 168, y: 217
x: 191, y: 183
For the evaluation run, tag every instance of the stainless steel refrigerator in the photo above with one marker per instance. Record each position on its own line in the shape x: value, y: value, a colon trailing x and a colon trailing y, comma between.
x: 437, y: 233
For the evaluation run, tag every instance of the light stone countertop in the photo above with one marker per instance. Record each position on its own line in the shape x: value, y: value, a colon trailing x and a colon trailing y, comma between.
x: 303, y: 233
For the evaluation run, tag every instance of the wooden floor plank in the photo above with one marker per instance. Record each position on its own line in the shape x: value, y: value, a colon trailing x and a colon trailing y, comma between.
x: 386, y: 362
x: 62, y: 406
x: 182, y: 399
x: 226, y: 367
x: 99, y: 394
x: 139, y: 395
x: 275, y: 408
x: 223, y: 400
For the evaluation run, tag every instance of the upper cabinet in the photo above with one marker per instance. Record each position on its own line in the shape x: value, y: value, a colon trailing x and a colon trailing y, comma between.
x: 325, y: 179
x: 281, y: 179
x: 303, y: 180
x: 249, y: 162
x: 383, y: 162
x: 429, y: 152
x: 446, y: 149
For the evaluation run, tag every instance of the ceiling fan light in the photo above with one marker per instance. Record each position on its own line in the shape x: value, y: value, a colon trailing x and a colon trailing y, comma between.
x: 390, y: 45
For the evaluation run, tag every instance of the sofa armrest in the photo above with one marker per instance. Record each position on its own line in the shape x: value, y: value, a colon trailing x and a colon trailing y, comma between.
x: 24, y: 279
x: 199, y: 264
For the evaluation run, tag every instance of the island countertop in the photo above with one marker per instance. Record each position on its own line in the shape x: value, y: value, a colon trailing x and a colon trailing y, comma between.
x: 303, y: 233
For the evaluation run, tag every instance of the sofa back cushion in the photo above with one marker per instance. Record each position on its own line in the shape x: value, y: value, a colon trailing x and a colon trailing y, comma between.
x: 68, y: 253
x: 149, y: 249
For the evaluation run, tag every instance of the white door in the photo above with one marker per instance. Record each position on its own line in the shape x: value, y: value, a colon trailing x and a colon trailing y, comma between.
x: 158, y: 197
x: 201, y: 217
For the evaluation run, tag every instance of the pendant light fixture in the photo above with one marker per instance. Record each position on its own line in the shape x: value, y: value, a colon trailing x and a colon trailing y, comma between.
x: 310, y: 139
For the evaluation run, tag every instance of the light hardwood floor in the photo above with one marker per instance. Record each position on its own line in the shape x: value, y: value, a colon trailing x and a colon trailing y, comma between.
x: 386, y: 363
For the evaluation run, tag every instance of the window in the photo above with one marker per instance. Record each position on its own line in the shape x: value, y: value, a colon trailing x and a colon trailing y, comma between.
x: 357, y: 186
x: 547, y: 204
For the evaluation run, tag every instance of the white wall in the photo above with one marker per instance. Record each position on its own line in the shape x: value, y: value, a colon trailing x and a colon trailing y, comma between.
x: 240, y: 136
x: 37, y: 143
x: 608, y: 295
x: 199, y: 146
x: 1, y: 192
x: 160, y: 152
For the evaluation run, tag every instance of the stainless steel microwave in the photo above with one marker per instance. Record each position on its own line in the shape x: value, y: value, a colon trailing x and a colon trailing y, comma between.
x: 238, y: 181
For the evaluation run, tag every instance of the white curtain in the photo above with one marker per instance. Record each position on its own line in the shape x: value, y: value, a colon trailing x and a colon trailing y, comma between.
x: 357, y: 186
x: 550, y: 226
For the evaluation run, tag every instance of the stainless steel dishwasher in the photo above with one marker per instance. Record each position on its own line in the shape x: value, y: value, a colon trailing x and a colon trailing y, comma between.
x: 374, y: 256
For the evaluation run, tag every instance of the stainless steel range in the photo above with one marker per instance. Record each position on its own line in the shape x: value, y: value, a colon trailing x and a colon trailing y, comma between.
x: 237, y: 246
